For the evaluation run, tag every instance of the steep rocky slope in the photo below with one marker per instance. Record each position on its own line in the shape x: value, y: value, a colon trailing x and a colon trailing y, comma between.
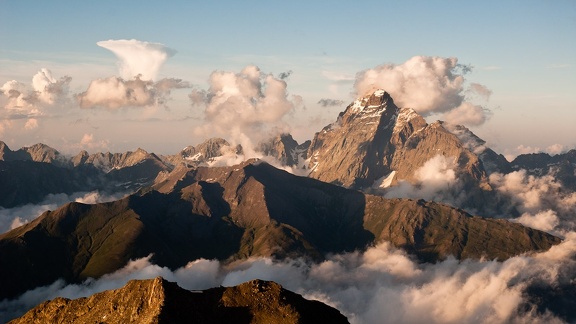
x: 229, y: 213
x: 161, y: 301
x: 374, y: 138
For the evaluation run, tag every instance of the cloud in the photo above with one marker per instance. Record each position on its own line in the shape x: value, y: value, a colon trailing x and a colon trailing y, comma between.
x: 326, y: 102
x: 115, y: 92
x: 245, y: 108
x: 480, y: 90
x: 45, y: 91
x: 138, y: 57
x: 555, y: 149
x: 436, y: 180
x: 284, y: 75
x: 426, y: 84
x: 545, y: 221
x: 466, y: 114
x: 381, y: 283
x: 31, y: 124
x: 88, y: 143
x: 542, y: 200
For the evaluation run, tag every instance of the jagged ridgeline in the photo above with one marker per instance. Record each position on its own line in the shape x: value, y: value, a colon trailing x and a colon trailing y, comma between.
x: 230, y: 213
x: 161, y: 301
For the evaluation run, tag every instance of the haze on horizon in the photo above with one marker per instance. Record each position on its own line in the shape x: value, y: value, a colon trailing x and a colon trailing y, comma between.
x: 114, y: 77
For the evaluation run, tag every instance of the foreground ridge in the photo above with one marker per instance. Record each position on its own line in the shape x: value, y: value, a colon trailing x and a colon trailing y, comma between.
x: 160, y: 301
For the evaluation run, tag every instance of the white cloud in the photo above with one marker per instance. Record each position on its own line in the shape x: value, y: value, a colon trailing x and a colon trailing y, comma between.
x: 426, y: 84
x: 138, y: 57
x: 466, y: 114
x: 114, y: 92
x: 436, y: 180
x: 245, y: 107
x: 45, y: 91
x: 88, y: 143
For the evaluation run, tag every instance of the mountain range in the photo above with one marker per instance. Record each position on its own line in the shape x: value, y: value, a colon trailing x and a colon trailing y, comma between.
x: 182, y: 207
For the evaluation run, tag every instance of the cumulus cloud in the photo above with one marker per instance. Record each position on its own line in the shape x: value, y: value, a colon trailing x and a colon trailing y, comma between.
x: 380, y: 283
x: 426, y: 84
x: 44, y: 91
x: 543, y: 201
x: 326, y: 102
x: 245, y: 108
x: 115, y: 92
x: 480, y: 90
x: 466, y: 114
x: 138, y: 57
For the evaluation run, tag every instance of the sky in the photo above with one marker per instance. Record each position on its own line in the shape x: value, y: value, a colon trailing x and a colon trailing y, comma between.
x: 117, y: 76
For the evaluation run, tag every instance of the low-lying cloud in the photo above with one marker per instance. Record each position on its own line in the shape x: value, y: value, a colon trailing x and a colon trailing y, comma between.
x: 381, y: 283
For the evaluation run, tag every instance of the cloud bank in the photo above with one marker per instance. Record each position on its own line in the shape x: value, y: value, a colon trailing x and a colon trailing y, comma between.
x: 380, y: 283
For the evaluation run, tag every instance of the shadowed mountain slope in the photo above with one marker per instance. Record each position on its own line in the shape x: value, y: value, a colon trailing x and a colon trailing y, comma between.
x: 229, y: 213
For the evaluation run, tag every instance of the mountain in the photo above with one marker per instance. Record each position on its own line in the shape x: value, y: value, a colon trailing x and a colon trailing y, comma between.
x: 561, y: 166
x: 373, y: 138
x: 160, y: 301
x: 230, y: 213
x: 202, y: 153
x: 285, y: 149
x: 29, y: 174
x: 37, y: 153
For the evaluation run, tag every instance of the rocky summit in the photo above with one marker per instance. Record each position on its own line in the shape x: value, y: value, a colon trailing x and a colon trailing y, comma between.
x: 373, y: 139
x: 160, y: 301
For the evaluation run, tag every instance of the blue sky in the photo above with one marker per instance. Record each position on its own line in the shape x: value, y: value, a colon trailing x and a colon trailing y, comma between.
x: 524, y: 52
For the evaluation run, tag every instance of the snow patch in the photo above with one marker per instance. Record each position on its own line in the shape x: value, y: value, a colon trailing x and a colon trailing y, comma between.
x: 385, y: 181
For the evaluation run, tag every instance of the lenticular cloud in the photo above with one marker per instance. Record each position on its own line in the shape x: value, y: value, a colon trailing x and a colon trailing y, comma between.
x: 138, y: 57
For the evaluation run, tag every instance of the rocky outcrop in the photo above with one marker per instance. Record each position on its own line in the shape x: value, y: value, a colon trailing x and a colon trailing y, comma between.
x: 230, y: 213
x: 202, y: 153
x: 37, y: 153
x: 285, y: 149
x: 161, y: 301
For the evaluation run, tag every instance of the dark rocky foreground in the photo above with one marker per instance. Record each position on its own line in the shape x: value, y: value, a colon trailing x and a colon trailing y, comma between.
x: 161, y: 301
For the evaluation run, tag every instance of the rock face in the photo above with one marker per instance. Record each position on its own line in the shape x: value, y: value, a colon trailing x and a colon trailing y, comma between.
x: 161, y: 301
x: 373, y: 138
x: 202, y: 153
x: 561, y: 166
x: 29, y: 174
x: 285, y: 149
x: 37, y: 153
x: 230, y: 213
